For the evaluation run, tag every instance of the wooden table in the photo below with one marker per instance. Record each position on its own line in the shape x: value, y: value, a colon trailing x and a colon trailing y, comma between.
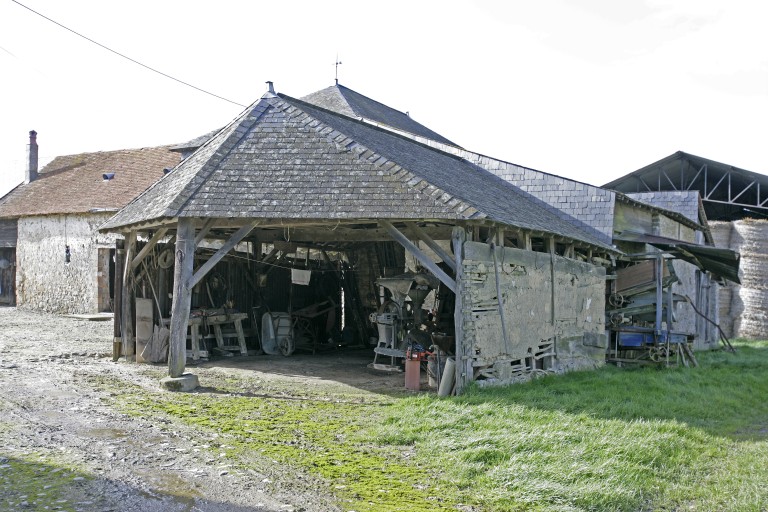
x: 216, y: 321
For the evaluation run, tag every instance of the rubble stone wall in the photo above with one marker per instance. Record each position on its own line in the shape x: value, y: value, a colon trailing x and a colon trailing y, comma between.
x: 44, y: 281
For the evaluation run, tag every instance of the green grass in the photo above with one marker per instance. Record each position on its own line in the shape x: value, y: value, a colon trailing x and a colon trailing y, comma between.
x: 613, y: 439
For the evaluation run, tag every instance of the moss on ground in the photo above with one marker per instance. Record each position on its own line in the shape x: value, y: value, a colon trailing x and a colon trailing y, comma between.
x: 324, y: 438
x: 37, y: 482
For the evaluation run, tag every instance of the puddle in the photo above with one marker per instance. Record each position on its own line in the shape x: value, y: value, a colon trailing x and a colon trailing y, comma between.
x: 170, y: 486
x: 107, y: 433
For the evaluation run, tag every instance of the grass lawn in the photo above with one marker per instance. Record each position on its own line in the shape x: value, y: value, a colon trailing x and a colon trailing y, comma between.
x: 613, y: 439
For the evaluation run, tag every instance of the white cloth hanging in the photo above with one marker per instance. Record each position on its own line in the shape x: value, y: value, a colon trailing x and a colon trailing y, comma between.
x: 300, y: 276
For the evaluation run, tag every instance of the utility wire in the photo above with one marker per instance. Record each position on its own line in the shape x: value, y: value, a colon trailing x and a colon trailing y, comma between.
x: 126, y: 57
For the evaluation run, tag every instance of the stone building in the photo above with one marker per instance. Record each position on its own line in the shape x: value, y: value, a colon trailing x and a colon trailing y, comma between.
x: 57, y: 259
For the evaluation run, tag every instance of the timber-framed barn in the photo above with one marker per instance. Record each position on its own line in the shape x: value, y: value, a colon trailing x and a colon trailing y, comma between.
x: 291, y: 192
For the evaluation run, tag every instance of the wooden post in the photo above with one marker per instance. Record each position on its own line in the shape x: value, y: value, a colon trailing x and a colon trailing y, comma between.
x: 526, y: 241
x: 551, y: 246
x: 463, y: 361
x: 117, y: 342
x: 182, y: 276
x: 126, y: 312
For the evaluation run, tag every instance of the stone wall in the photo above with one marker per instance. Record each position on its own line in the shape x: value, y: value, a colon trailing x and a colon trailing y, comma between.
x: 549, y: 328
x: 43, y: 280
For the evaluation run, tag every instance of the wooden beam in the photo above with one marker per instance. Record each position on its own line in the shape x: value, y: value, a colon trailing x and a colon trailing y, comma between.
x: 230, y: 244
x: 204, y: 231
x: 527, y: 244
x: 341, y: 234
x: 126, y: 313
x: 419, y: 255
x: 424, y: 237
x: 182, y: 297
x: 463, y: 367
x: 117, y: 342
x: 551, y: 247
x: 148, y: 247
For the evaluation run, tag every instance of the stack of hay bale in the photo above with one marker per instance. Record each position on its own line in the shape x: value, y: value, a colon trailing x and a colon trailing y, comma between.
x: 743, y: 310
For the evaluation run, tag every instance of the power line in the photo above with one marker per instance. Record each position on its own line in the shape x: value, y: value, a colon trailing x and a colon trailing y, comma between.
x: 126, y: 57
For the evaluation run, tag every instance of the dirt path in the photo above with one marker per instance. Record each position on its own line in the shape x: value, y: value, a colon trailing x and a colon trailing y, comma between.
x: 53, y: 415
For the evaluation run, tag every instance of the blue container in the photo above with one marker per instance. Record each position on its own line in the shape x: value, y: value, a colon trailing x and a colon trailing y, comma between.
x: 632, y: 339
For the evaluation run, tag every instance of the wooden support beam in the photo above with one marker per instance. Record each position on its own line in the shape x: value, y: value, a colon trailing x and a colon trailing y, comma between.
x: 200, y: 236
x: 126, y: 312
x: 182, y: 298
x: 424, y: 237
x: 525, y: 238
x: 117, y: 342
x: 230, y: 244
x: 148, y: 247
x: 464, y: 371
x: 419, y: 255
x: 320, y: 234
x: 551, y: 246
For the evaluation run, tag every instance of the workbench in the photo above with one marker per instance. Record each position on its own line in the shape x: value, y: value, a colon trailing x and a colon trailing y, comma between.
x: 216, y: 321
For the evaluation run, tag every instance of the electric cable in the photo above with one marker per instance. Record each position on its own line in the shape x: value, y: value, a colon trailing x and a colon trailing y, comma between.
x: 128, y: 58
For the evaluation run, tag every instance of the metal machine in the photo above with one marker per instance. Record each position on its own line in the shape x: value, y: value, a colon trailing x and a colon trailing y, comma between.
x: 400, y: 318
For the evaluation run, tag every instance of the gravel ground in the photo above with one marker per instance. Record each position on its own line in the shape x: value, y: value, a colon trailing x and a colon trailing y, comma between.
x: 53, y: 415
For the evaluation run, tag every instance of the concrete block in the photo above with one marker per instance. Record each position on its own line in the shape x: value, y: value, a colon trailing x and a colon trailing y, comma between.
x: 187, y: 382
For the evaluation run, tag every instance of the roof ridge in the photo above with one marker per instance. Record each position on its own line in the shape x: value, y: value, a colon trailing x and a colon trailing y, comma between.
x: 178, y: 166
x: 339, y: 86
x: 380, y: 129
x: 405, y: 176
x: 164, y: 146
x: 231, y: 140
x: 344, y: 98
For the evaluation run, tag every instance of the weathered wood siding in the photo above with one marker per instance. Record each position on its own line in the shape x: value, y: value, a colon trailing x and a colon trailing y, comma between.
x: 8, y: 233
x: 7, y: 276
x: 568, y: 317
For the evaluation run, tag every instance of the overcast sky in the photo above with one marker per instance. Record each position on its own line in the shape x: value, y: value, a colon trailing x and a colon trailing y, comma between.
x: 587, y: 89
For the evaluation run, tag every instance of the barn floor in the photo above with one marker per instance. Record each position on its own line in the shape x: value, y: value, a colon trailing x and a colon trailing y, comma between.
x: 346, y: 367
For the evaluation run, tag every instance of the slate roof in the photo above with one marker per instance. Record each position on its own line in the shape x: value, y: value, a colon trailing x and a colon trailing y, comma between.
x: 74, y: 183
x: 345, y: 101
x: 582, y: 205
x: 283, y: 158
x: 684, y: 202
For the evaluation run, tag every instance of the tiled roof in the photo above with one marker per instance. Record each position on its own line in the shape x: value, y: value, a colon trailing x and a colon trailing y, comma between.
x: 345, y: 101
x: 75, y: 184
x: 283, y: 158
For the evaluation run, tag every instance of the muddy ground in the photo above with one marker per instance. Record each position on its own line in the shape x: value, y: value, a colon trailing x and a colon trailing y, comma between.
x: 62, y: 446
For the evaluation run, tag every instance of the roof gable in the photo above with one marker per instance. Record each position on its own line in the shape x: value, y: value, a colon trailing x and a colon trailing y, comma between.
x: 75, y: 183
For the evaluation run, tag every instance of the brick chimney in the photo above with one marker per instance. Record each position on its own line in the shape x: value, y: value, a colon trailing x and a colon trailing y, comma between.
x: 31, y: 158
